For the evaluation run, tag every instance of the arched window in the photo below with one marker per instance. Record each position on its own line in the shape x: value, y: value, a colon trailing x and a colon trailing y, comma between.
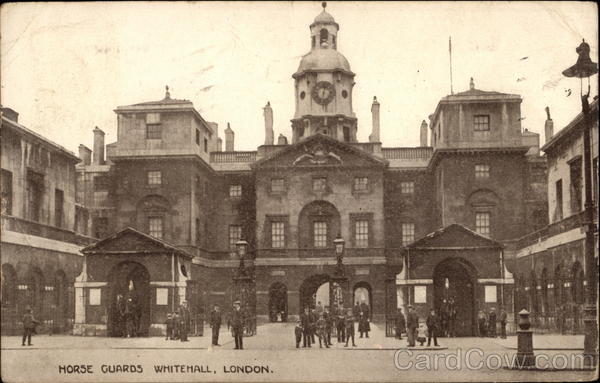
x: 577, y: 283
x: 9, y: 286
x: 323, y: 36
x: 558, y: 287
x: 545, y: 290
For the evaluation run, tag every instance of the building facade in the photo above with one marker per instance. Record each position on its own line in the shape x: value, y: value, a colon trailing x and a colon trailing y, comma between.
x: 551, y: 278
x: 407, y: 214
x: 43, y: 228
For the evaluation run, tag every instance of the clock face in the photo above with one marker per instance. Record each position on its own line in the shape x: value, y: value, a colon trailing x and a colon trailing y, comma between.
x: 323, y: 92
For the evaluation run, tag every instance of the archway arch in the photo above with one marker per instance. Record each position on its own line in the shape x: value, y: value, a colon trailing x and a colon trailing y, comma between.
x: 363, y: 293
x: 318, y: 224
x: 278, y: 306
x: 34, y: 296
x: 61, y: 300
x: 129, y: 280
x: 454, y: 279
x: 308, y: 290
x: 9, y: 286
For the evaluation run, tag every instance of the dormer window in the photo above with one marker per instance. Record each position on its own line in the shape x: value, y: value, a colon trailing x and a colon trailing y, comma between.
x: 323, y: 36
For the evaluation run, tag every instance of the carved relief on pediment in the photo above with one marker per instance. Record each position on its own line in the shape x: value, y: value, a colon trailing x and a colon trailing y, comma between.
x: 317, y: 155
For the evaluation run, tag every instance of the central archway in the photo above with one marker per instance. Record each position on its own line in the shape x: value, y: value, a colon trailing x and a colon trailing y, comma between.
x: 309, y: 288
x: 129, y: 280
x: 456, y: 278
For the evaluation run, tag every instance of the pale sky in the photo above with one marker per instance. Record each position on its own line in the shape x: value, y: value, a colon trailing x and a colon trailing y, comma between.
x: 66, y: 66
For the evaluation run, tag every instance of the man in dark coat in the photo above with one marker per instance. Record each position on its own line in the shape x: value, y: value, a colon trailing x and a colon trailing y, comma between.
x: 502, y: 323
x: 412, y: 326
x: 356, y: 310
x: 328, y: 326
x: 340, y: 326
x: 184, y: 321
x: 305, y: 324
x: 452, y: 318
x: 29, y: 323
x: 363, y: 324
x: 492, y: 323
x: 215, y: 324
x: 128, y: 316
x: 313, y: 325
x: 349, y: 325
x: 400, y: 324
x: 433, y: 327
x: 169, y: 324
x: 119, y: 322
x: 237, y: 325
x: 364, y: 307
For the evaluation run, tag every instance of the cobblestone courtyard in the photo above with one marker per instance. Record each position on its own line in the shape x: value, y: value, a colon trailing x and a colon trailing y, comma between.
x: 272, y: 356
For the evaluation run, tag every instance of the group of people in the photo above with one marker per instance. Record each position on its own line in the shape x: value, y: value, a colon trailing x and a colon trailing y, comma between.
x: 410, y: 325
x: 178, y: 324
x: 487, y: 323
x: 318, y: 323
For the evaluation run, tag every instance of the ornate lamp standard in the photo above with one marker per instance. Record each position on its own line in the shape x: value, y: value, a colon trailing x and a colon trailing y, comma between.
x: 243, y: 288
x: 339, y: 280
x: 584, y: 67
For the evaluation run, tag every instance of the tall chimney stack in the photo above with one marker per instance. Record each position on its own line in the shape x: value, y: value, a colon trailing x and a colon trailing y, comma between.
x: 98, y: 146
x: 85, y: 154
x: 282, y: 140
x: 548, y: 126
x: 374, y: 137
x: 268, y: 113
x: 229, y: 137
x: 423, y: 133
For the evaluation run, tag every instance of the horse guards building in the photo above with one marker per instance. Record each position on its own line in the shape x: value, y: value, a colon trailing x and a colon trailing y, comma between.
x: 475, y: 213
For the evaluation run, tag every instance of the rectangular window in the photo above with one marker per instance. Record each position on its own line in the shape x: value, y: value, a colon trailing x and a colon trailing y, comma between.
x: 346, y: 131
x: 155, y: 227
x: 205, y: 145
x: 154, y: 177
x: 153, y: 131
x: 277, y: 185
x: 407, y: 187
x: 482, y: 223
x: 35, y: 189
x: 558, y: 214
x: 320, y: 234
x: 482, y: 171
x: 408, y: 233
x: 58, y: 207
x: 277, y: 235
x: 100, y: 227
x: 361, y: 184
x: 361, y: 233
x: 481, y: 122
x: 198, y: 137
x: 235, y: 191
x: 7, y: 192
x: 319, y: 183
x: 235, y: 234
x: 576, y: 182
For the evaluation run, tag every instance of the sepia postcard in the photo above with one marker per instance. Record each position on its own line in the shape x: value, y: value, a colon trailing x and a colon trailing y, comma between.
x: 299, y: 191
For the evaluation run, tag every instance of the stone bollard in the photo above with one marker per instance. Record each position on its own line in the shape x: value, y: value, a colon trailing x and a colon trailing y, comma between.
x: 525, y: 356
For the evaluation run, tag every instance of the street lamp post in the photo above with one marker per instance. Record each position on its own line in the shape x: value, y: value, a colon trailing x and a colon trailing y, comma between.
x: 242, y: 288
x: 339, y: 281
x: 584, y: 68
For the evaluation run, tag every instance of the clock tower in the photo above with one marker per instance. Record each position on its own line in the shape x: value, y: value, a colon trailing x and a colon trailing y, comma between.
x: 323, y: 85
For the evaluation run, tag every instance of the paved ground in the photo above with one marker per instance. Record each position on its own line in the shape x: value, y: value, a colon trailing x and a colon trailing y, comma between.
x: 272, y: 356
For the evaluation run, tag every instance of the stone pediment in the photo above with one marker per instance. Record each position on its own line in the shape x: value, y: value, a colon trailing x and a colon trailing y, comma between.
x: 320, y: 150
x: 131, y: 241
x: 455, y: 236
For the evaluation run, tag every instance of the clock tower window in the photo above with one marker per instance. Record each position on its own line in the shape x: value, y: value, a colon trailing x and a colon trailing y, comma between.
x: 324, y: 36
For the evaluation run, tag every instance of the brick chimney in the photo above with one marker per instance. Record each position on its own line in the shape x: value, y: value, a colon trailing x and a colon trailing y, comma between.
x: 374, y: 137
x: 98, y: 146
x: 85, y: 154
x: 423, y: 136
x: 229, y: 138
x: 268, y: 113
